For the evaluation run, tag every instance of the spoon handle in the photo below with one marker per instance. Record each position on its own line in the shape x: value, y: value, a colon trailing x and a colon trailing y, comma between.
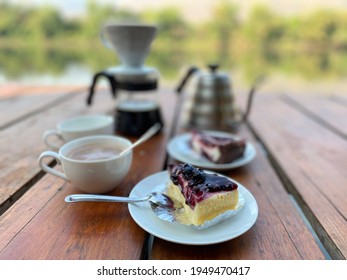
x: 103, y: 198
x: 148, y: 134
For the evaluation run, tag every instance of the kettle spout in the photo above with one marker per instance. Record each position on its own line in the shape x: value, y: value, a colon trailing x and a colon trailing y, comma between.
x: 259, y: 80
x: 189, y: 73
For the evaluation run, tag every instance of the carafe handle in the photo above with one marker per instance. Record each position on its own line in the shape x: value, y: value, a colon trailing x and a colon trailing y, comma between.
x: 189, y: 73
x: 112, y: 81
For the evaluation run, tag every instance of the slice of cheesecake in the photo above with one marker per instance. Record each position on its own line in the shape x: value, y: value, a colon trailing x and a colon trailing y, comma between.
x: 217, y: 149
x: 204, y: 196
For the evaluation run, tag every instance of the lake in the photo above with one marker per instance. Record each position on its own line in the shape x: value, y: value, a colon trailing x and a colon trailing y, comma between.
x: 320, y: 72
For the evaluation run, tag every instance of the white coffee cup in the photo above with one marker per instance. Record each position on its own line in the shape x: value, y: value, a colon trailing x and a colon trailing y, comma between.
x: 91, y: 163
x: 78, y: 127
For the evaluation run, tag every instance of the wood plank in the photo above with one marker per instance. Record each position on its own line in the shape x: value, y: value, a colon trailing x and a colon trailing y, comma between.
x: 324, y: 109
x: 53, y: 229
x: 10, y: 90
x: 16, y: 108
x: 279, y: 232
x: 74, y: 231
x: 342, y: 99
x: 21, y: 144
x: 313, y: 160
x: 15, y: 89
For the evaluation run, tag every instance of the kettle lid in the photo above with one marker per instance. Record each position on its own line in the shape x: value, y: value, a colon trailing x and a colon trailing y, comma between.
x: 214, y: 77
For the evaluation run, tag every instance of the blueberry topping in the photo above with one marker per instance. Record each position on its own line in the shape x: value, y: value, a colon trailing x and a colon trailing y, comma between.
x: 195, y: 184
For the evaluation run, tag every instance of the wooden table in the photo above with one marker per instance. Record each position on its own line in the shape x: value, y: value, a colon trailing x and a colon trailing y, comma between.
x: 298, y: 178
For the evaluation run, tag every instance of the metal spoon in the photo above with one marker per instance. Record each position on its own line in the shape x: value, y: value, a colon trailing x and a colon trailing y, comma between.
x: 148, y: 134
x: 161, y: 204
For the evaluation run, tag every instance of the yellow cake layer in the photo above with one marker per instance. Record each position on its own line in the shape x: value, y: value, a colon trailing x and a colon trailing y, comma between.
x: 207, y: 209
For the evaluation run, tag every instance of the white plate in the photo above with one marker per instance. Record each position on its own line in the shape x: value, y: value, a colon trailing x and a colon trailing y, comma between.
x: 178, y: 233
x: 180, y: 149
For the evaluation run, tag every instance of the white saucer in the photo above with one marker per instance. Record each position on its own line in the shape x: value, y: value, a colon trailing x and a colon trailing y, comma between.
x: 182, y: 234
x: 180, y: 149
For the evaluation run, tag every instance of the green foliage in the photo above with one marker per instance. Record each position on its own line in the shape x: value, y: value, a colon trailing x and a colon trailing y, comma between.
x: 169, y: 21
x: 97, y: 15
x: 264, y: 27
x: 223, y: 25
x: 313, y: 45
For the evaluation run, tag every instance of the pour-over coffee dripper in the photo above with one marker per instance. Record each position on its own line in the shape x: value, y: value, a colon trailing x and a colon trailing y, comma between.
x: 131, y: 82
x: 130, y: 41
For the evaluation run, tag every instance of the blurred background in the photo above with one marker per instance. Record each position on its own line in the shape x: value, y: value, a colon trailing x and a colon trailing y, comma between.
x: 301, y: 46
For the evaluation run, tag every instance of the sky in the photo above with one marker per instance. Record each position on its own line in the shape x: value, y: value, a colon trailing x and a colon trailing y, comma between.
x: 192, y: 10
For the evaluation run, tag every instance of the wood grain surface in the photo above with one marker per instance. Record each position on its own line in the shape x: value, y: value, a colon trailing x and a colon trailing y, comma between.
x: 329, y: 111
x: 54, y: 229
x: 298, y: 179
x: 21, y: 144
x: 279, y: 232
x: 313, y: 160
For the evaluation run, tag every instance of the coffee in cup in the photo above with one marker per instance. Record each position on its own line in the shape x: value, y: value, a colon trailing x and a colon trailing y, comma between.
x: 78, y: 127
x: 94, y: 152
x: 93, y: 163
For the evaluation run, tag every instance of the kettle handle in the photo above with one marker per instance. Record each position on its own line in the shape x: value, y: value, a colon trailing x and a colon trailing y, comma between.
x: 111, y: 79
x: 189, y: 73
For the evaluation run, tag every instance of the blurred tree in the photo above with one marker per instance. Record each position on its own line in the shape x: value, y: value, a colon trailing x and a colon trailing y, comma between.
x: 340, y: 34
x: 41, y: 24
x: 8, y: 18
x: 222, y: 26
x: 97, y: 15
x: 321, y: 29
x: 40, y: 39
x: 170, y: 22
x: 169, y: 48
x: 264, y: 28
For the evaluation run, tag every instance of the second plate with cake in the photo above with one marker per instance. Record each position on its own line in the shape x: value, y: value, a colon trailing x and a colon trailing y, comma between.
x: 180, y: 149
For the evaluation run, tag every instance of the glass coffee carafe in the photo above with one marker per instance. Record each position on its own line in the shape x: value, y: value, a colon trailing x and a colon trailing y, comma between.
x: 132, y: 83
x: 137, y: 108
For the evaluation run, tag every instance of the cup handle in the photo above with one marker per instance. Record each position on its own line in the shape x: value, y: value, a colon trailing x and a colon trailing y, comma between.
x: 48, y: 169
x: 49, y: 133
x: 104, y: 39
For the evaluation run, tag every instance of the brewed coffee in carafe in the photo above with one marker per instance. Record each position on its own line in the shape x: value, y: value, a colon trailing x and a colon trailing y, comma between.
x: 136, y: 112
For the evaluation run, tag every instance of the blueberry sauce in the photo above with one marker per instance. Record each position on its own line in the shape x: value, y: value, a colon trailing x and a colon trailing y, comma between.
x: 196, y: 185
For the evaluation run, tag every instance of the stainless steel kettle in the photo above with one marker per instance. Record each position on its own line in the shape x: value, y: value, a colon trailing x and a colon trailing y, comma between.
x: 212, y: 104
